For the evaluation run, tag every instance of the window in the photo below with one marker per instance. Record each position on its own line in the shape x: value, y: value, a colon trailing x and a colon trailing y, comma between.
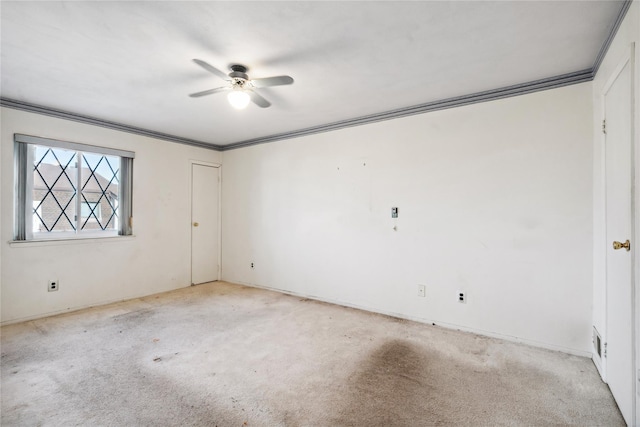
x: 67, y: 190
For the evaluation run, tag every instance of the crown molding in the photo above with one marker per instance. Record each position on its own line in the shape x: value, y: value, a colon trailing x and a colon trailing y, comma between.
x: 458, y: 101
x: 614, y: 30
x: 39, y: 109
x: 490, y: 95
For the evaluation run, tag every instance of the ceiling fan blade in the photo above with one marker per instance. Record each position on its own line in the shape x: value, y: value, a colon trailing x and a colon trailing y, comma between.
x: 272, y: 81
x: 208, y: 92
x: 258, y: 99
x: 210, y: 68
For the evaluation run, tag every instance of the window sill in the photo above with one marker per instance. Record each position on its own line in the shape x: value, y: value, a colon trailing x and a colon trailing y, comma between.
x: 69, y: 241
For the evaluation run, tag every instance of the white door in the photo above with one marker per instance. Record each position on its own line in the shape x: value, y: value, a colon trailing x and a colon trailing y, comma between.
x: 618, y: 166
x: 204, y: 223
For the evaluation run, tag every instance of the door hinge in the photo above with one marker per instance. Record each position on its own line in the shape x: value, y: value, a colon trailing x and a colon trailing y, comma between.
x: 605, y: 350
x: 604, y: 126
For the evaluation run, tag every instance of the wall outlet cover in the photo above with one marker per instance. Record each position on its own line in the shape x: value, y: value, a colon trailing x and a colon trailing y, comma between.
x: 462, y: 297
x: 422, y: 291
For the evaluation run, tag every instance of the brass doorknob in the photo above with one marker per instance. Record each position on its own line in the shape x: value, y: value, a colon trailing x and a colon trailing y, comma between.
x: 195, y: 224
x: 617, y: 245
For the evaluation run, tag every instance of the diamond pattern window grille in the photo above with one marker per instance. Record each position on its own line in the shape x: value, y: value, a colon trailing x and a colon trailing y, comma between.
x: 100, y: 176
x: 72, y: 199
x: 54, y: 189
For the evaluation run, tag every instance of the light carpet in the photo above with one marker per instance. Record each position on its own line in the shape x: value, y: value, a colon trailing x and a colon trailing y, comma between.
x: 227, y: 355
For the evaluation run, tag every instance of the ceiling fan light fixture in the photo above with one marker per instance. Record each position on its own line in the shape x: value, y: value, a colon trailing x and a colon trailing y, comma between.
x: 239, y: 99
x: 241, y: 86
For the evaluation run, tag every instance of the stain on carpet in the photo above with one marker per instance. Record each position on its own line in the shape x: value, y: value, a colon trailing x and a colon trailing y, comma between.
x: 402, y: 383
x: 134, y: 317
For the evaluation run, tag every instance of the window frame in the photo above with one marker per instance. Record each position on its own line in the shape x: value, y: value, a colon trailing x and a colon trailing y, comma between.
x: 23, y: 179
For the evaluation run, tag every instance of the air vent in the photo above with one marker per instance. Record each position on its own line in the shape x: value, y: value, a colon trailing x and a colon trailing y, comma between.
x: 597, y: 343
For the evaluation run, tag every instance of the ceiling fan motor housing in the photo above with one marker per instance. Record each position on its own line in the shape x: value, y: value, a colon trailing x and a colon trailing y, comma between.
x: 238, y: 72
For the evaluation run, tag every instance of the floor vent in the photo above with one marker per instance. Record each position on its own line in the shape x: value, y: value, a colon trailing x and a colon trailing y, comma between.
x: 597, y: 342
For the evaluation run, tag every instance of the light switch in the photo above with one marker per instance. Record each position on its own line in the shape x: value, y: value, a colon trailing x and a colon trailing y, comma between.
x: 394, y: 212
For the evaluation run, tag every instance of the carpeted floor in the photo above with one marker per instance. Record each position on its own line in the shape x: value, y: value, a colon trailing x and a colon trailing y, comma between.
x: 226, y: 355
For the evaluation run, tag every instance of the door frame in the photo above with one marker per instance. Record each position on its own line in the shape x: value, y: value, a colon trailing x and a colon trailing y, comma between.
x: 627, y: 58
x: 193, y: 162
x: 635, y: 273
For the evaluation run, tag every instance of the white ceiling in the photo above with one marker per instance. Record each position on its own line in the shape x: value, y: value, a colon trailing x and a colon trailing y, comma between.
x: 131, y: 62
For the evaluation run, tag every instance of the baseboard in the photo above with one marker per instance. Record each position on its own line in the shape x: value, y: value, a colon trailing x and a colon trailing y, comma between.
x: 84, y: 307
x: 596, y: 363
x: 446, y: 325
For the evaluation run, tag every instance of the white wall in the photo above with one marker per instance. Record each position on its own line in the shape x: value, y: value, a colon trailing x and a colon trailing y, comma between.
x: 93, y: 272
x: 494, y: 199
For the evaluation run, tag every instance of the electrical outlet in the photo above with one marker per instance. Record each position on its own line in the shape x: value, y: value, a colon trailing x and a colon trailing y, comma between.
x: 422, y: 291
x: 52, y: 285
x: 462, y: 297
x: 251, y: 265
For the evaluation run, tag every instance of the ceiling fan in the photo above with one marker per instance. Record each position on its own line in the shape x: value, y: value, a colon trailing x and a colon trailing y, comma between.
x: 240, y: 85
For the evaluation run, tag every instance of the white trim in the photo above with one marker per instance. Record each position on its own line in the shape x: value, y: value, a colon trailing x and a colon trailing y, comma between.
x: 616, y: 72
x: 70, y: 241
x: 28, y: 194
x: 37, y: 140
x: 220, y: 222
x: 603, y: 191
x: 635, y: 147
x: 190, y: 190
x: 482, y: 332
x: 204, y: 163
x: 77, y: 308
x: 627, y: 59
x: 600, y: 249
x: 72, y: 235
